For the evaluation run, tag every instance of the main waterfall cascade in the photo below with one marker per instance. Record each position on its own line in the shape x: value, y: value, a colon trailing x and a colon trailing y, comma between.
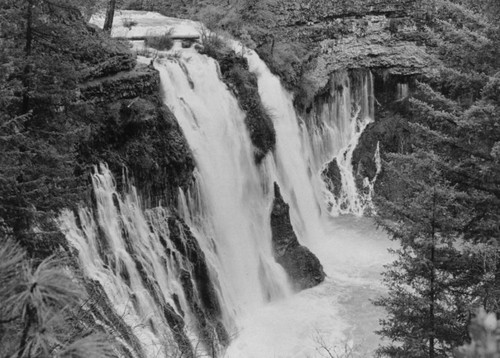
x: 232, y: 192
x: 129, y: 250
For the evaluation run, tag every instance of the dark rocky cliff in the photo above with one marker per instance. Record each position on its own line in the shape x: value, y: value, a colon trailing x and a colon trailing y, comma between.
x: 301, y: 265
x: 132, y: 129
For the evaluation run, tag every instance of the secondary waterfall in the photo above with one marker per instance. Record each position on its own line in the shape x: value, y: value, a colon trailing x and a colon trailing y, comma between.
x: 123, y: 249
x: 131, y: 252
x: 336, y: 123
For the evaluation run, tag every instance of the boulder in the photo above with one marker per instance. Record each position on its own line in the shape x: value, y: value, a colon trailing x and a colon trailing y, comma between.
x: 301, y: 265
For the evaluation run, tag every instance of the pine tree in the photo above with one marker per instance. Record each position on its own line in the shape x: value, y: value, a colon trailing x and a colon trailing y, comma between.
x: 430, y: 285
x: 446, y: 219
x: 37, y: 303
x: 38, y: 130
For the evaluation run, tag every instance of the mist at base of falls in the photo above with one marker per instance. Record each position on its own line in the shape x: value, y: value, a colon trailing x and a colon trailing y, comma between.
x: 337, y: 315
x: 227, y: 211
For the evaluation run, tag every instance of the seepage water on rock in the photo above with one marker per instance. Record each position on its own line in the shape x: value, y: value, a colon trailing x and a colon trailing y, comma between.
x: 301, y: 265
x: 333, y: 178
x: 198, y: 286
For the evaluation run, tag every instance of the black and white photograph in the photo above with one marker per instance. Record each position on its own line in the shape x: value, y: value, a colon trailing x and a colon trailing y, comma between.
x: 249, y: 178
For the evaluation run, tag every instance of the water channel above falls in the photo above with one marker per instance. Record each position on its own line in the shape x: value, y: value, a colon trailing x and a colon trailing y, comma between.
x: 228, y: 212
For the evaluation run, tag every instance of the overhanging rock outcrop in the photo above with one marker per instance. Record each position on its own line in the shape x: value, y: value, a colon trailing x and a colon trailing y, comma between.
x: 332, y: 35
x: 301, y: 265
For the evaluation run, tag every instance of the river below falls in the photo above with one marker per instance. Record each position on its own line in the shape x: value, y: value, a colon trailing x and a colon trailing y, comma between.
x: 334, y: 319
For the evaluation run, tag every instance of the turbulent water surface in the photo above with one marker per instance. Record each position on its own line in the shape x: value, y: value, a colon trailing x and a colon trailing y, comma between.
x: 228, y: 211
x: 336, y: 315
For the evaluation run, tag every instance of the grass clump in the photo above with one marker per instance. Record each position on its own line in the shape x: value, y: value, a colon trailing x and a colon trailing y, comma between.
x: 160, y: 43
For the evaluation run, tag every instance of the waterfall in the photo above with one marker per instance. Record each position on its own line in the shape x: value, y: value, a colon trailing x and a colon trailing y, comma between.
x: 229, y: 207
x: 402, y: 91
x: 123, y: 249
x: 336, y: 123
x: 137, y: 255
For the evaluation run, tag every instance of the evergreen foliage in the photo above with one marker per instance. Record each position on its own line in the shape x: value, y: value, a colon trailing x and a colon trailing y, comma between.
x: 447, y: 212
x: 46, y: 51
x: 484, y: 338
x: 39, y: 304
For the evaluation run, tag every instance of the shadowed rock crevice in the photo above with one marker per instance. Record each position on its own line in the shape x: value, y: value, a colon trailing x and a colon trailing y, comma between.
x: 301, y: 265
x: 198, y: 287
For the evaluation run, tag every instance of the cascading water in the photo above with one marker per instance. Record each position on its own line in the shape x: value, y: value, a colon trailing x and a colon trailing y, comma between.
x: 130, y: 252
x: 231, y: 190
x: 402, y: 91
x: 122, y: 248
x: 336, y: 123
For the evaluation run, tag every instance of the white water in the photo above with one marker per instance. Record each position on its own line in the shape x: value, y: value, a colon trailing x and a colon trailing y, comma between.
x: 228, y: 210
x: 402, y: 91
x: 232, y: 192
x: 336, y: 124
x: 110, y: 259
x: 337, y: 314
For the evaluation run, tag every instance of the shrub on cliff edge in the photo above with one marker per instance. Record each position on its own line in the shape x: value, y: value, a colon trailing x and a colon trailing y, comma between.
x: 161, y: 43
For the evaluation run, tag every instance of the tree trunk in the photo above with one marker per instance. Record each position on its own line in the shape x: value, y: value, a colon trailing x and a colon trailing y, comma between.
x: 110, y: 14
x: 432, y: 298
x: 29, y: 28
x: 432, y: 293
x: 27, y: 51
x: 29, y: 320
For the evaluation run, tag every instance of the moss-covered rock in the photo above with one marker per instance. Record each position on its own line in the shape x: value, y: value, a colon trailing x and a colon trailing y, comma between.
x: 140, y: 81
x: 243, y: 83
x: 143, y: 136
x: 129, y: 127
x: 258, y: 119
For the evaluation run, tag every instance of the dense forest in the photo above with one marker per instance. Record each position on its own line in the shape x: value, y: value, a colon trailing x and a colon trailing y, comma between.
x: 438, y: 194
x: 446, y: 211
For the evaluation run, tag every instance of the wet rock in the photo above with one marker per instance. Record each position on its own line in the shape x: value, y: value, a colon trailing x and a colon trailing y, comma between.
x: 391, y: 132
x: 332, y: 177
x: 100, y: 309
x: 301, y: 265
x: 198, y: 286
